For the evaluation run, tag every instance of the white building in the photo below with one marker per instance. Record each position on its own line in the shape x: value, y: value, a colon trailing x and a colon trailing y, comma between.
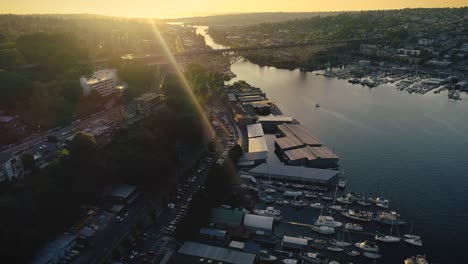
x: 105, y: 82
x: 425, y: 42
x: 12, y: 169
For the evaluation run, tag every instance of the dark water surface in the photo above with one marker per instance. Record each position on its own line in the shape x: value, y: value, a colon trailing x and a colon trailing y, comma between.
x: 411, y: 149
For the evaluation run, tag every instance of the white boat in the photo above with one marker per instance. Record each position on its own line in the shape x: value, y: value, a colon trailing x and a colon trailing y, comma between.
x: 344, y: 200
x: 267, y: 199
x: 317, y: 258
x: 353, y: 226
x: 327, y: 198
x: 316, y: 205
x: 411, y: 236
x: 387, y: 239
x: 265, y: 257
x: 335, y: 249
x: 414, y: 241
x: 389, y: 218
x: 298, y: 203
x: 289, y: 261
x: 342, y: 183
x: 382, y: 205
x: 310, y: 195
x: 281, y: 201
x: 298, y: 186
x: 377, y: 200
x: 367, y: 246
x: 371, y: 255
x: 327, y: 221
x: 363, y: 203
x: 292, y: 194
x: 337, y: 208
x: 269, y: 190
x: 337, y: 243
x: 269, y: 211
x: 324, y: 230
x: 358, y: 215
x: 353, y: 253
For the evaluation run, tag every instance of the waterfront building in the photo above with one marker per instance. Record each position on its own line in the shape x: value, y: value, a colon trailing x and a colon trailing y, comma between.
x: 293, y: 174
x: 105, y: 82
x: 56, y: 251
x: 226, y: 217
x: 259, y: 223
x: 255, y: 130
x: 192, y: 252
x: 290, y: 242
x: 270, y: 122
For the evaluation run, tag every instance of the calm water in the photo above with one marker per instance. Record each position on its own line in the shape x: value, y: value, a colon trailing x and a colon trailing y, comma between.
x: 411, y: 149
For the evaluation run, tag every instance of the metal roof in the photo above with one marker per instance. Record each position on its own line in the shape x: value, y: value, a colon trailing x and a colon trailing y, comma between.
x: 123, y: 191
x: 301, y: 133
x: 323, y: 152
x: 258, y: 222
x: 255, y: 130
x: 299, y: 154
x: 295, y: 240
x: 258, y: 144
x: 213, y: 232
x: 293, y: 172
x: 227, y: 217
x: 275, y: 118
x: 289, y: 142
x: 216, y: 253
x: 54, y: 248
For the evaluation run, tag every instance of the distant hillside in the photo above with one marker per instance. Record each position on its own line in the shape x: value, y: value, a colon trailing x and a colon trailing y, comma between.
x: 246, y: 19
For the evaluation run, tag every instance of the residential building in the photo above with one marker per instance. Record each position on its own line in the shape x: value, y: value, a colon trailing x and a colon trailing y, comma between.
x: 12, y: 168
x: 105, y: 82
x: 425, y: 42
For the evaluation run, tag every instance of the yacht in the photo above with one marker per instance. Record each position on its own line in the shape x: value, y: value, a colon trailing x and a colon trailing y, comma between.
x: 344, y: 199
x: 367, y: 246
x: 317, y: 258
x: 358, y: 215
x: 353, y: 226
x: 377, y: 200
x: 267, y: 199
x: 310, y: 195
x: 298, y: 203
x: 387, y: 239
x: 327, y: 198
x: 337, y: 243
x: 324, y: 230
x: 389, y: 218
x: 363, y: 203
x: 335, y: 249
x: 371, y: 255
x: 327, y: 221
x: 270, y: 190
x: 415, y: 241
x: 382, y: 205
x: 281, y: 201
x: 342, y: 183
x: 353, y: 253
x: 316, y: 205
x: 337, y: 208
x: 269, y: 211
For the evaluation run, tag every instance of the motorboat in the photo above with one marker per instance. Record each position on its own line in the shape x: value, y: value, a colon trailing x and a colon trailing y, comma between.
x: 337, y: 208
x: 281, y: 201
x: 389, y: 218
x: 411, y: 236
x: 367, y: 246
x: 377, y: 200
x: 317, y: 105
x: 342, y: 183
x: 292, y: 194
x: 355, y: 196
x: 358, y: 215
x: 337, y: 243
x: 353, y: 226
x: 344, y: 200
x: 387, y: 239
x: 316, y: 205
x: 382, y: 205
x: 335, y: 249
x: 265, y: 257
x: 414, y: 241
x: 324, y: 230
x: 327, y: 198
x: 327, y: 221
x: 310, y: 195
x: 270, y: 190
x: 289, y: 261
x: 267, y: 199
x: 363, y: 203
x: 312, y: 257
x: 298, y: 186
x: 353, y: 253
x: 269, y: 211
x: 419, y: 259
x: 298, y: 203
x: 371, y: 255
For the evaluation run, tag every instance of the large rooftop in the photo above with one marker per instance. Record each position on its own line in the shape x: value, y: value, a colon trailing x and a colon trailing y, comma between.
x: 275, y: 118
x: 258, y: 144
x: 300, y: 132
x: 255, y: 130
x: 293, y: 172
x: 123, y: 191
x: 289, y: 142
x: 216, y: 253
x: 54, y: 248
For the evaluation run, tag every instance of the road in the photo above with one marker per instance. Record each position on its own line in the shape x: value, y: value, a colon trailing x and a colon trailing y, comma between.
x: 61, y: 133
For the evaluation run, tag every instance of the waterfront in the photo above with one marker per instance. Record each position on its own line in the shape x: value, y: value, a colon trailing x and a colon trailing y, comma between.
x: 409, y: 148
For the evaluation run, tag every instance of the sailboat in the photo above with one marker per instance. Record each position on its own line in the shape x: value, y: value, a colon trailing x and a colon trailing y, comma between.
x: 385, y: 238
x: 411, y: 239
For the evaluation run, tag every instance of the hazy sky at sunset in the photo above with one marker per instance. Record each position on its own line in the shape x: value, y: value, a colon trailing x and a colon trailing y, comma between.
x: 171, y: 8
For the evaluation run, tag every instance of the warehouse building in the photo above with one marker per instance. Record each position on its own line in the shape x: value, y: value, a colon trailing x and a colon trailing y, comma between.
x: 226, y: 217
x: 270, y: 122
x: 295, y: 174
x: 294, y: 243
x: 254, y: 131
x: 258, y: 223
x: 56, y: 251
x: 192, y: 252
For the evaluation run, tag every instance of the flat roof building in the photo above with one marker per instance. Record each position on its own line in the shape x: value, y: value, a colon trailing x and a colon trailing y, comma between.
x: 125, y: 193
x: 258, y: 222
x: 56, y: 250
x: 226, y: 217
x: 103, y: 81
x: 301, y: 133
x: 192, y: 252
x: 257, y: 144
x: 270, y: 122
x: 255, y: 130
x: 295, y: 174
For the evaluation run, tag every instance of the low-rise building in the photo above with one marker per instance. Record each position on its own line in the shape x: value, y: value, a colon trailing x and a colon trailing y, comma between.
x: 147, y: 103
x: 192, y: 252
x: 12, y: 168
x: 56, y: 251
x: 105, y: 82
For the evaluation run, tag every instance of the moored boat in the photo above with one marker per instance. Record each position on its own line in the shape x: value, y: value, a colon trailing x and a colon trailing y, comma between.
x: 367, y: 246
x: 353, y: 253
x: 414, y: 241
x: 267, y: 199
x: 327, y: 221
x: 281, y: 201
x: 316, y: 205
x: 371, y: 255
x: 358, y: 215
x: 353, y: 226
x: 324, y: 230
x: 344, y: 200
x: 312, y: 257
x: 337, y: 243
x: 298, y: 203
x: 363, y: 203
x: 387, y: 239
x: 327, y: 198
x: 377, y: 200
x: 337, y: 208
x: 335, y: 249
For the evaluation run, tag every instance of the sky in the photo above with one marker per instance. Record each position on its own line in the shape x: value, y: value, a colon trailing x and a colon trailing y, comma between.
x: 178, y: 8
